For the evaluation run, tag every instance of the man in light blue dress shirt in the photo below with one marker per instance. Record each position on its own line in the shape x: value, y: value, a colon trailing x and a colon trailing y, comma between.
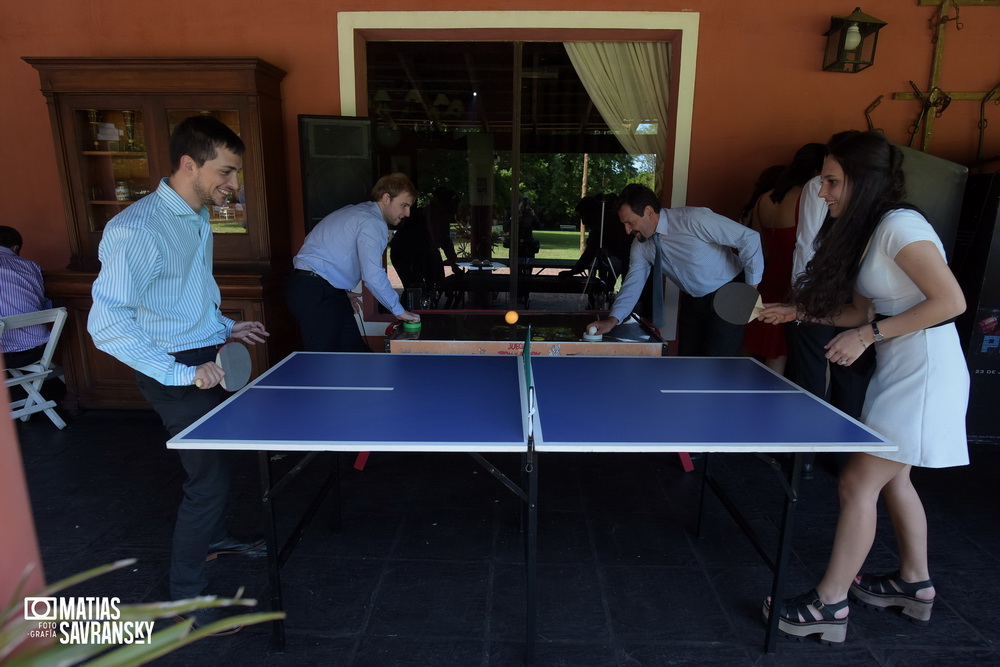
x: 156, y: 309
x: 696, y: 248
x: 342, y: 250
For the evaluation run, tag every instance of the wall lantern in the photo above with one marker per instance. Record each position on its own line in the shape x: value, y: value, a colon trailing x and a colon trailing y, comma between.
x: 851, y: 41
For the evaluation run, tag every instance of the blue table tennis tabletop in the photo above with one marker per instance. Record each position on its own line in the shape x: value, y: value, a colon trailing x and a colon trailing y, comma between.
x: 313, y: 402
x: 382, y: 402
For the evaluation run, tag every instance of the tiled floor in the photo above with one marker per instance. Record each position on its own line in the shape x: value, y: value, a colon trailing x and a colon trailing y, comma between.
x: 427, y: 569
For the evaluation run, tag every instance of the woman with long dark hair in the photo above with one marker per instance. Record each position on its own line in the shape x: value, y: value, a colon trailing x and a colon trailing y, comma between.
x: 904, y: 297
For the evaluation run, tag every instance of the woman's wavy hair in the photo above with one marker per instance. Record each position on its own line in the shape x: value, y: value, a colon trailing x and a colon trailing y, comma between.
x: 875, y: 184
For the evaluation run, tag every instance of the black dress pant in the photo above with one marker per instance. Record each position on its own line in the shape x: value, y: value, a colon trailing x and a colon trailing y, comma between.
x: 807, y: 367
x: 324, y: 314
x: 702, y: 333
x: 23, y: 358
x: 201, y: 517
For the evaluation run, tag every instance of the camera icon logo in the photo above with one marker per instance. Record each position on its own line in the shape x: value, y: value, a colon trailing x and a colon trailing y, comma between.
x: 41, y: 609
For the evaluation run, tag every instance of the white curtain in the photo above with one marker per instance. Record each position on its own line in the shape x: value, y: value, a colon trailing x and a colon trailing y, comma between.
x: 629, y: 83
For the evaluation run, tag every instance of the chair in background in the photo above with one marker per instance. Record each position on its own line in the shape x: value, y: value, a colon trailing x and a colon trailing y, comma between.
x: 31, y: 377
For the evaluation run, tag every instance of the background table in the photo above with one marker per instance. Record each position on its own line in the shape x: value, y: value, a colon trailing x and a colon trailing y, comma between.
x: 553, y: 333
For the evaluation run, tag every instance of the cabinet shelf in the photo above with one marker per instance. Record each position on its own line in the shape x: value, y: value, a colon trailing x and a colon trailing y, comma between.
x: 123, y: 154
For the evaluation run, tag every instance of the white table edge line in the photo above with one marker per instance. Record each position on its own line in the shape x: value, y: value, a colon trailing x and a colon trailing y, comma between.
x: 293, y: 387
x: 730, y: 391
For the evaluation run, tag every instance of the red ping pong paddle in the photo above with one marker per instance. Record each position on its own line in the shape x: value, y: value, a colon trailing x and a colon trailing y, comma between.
x: 234, y: 360
x: 737, y: 303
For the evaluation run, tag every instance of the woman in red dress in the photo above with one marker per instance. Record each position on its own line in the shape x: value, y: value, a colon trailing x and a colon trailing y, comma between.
x: 775, y: 217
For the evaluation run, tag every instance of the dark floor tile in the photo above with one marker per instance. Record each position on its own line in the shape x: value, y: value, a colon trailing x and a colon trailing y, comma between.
x: 792, y: 653
x: 564, y: 537
x: 558, y: 654
x: 132, y: 584
x: 383, y: 651
x: 361, y: 535
x: 930, y: 656
x: 965, y: 611
x: 446, y: 533
x: 665, y: 603
x: 328, y: 596
x: 717, y: 654
x: 570, y: 604
x: 253, y: 647
x: 723, y: 544
x: 431, y: 600
x: 739, y: 593
x: 428, y: 565
x: 950, y: 547
x: 642, y: 539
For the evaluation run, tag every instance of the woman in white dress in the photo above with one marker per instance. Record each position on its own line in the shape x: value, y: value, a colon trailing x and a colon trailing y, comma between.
x: 905, y: 297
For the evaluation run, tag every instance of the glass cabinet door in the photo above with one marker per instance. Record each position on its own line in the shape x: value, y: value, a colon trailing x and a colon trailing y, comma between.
x: 231, y: 217
x: 114, y: 163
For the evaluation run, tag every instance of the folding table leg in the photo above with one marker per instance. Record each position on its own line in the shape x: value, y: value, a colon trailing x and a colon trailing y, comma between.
x: 784, y: 548
x: 531, y: 561
x: 271, y: 536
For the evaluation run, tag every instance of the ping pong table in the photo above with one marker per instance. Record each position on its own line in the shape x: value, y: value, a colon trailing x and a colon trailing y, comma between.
x: 315, y: 402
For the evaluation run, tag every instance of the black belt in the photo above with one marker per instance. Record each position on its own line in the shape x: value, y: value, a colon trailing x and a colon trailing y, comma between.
x: 303, y: 272
x: 879, y: 318
x: 196, y: 350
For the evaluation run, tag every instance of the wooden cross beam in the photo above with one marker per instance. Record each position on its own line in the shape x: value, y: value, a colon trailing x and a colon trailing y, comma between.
x: 935, y: 100
x: 964, y: 3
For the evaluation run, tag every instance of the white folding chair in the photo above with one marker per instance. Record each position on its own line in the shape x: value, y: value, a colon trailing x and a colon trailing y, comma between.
x: 31, y: 377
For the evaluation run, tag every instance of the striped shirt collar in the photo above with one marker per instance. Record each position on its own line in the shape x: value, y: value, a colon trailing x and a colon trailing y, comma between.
x: 176, y: 204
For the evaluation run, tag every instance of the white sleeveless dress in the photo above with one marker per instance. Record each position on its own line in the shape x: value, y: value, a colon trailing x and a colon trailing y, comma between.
x: 920, y: 390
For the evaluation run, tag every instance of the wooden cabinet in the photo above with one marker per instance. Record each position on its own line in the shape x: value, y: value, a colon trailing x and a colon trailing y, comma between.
x: 111, y: 121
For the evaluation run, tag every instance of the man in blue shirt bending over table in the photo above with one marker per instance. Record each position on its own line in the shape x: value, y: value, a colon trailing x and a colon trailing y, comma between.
x: 695, y: 249
x: 343, y: 249
x: 156, y: 309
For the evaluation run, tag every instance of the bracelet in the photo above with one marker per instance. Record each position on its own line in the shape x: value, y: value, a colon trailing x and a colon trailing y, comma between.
x: 864, y: 345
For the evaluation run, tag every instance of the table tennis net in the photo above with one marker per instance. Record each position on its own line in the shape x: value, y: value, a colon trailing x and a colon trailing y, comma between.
x: 529, y: 381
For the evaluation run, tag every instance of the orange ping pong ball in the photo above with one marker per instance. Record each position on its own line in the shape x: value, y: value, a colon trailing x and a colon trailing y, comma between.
x: 510, y: 317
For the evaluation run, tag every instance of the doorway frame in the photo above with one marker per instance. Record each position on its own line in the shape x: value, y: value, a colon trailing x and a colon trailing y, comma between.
x: 356, y: 29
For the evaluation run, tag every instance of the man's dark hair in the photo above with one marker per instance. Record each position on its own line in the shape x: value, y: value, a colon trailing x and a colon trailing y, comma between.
x: 637, y: 197
x: 10, y: 237
x: 200, y: 137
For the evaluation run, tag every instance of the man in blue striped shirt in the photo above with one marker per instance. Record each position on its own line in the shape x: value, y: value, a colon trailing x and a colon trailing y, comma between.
x: 156, y: 309
x: 696, y: 252
x: 21, y: 291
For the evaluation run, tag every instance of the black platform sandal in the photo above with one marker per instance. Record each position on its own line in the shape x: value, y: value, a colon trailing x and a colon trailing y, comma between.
x: 830, y: 628
x: 880, y: 592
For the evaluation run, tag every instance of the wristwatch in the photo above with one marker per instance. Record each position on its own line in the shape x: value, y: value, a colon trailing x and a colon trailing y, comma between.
x: 879, y: 337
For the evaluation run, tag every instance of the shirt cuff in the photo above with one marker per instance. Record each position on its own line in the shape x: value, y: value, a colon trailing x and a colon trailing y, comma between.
x: 180, y: 375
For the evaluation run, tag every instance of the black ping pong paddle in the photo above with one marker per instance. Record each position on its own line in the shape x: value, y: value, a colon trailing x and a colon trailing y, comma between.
x: 234, y: 360
x: 737, y: 303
